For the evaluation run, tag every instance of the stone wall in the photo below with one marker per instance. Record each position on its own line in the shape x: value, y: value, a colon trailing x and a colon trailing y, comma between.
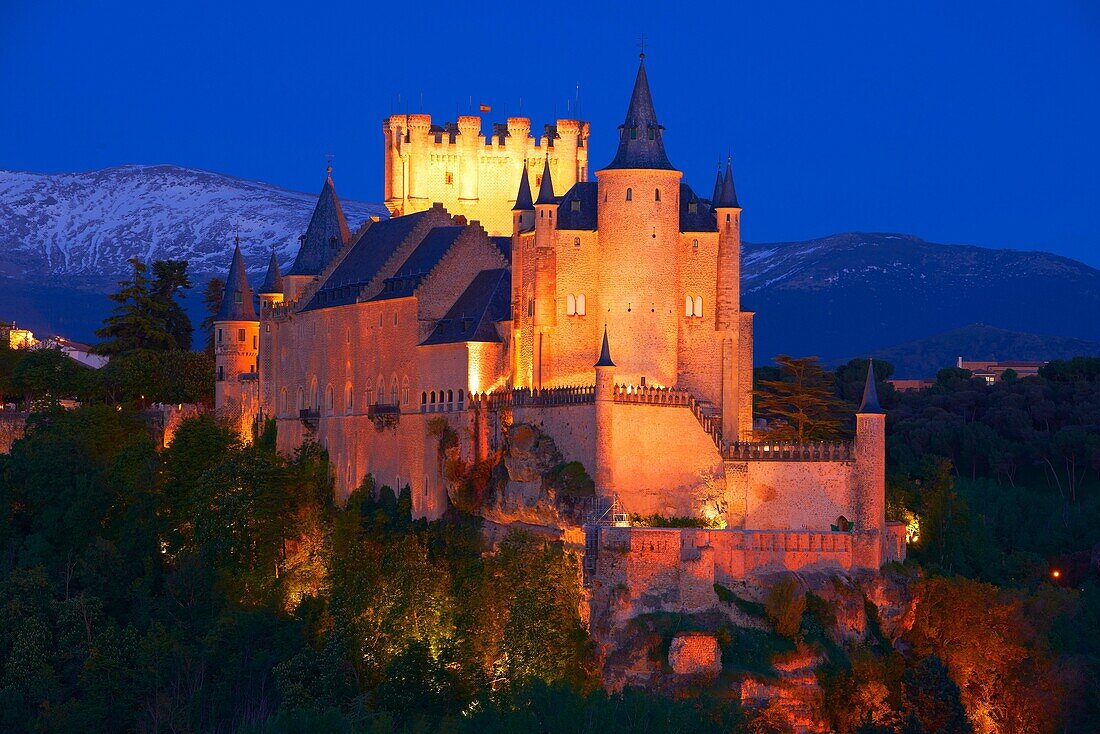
x: 12, y: 424
x: 796, y: 495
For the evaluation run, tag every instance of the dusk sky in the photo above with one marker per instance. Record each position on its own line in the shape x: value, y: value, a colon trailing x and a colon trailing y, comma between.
x: 959, y: 122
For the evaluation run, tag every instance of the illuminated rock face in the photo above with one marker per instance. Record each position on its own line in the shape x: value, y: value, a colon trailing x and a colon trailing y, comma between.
x: 694, y: 653
x: 609, y: 320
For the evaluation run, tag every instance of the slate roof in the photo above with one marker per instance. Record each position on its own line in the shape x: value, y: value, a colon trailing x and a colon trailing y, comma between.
x: 273, y: 281
x: 473, y: 316
x: 418, y: 264
x: 870, y: 404
x: 640, y: 135
x: 237, y: 304
x: 605, y: 352
x: 546, y: 187
x: 717, y: 185
x: 578, y: 207
x: 366, y: 258
x: 523, y: 197
x: 696, y: 215
x: 325, y: 236
x: 728, y: 197
x: 504, y: 244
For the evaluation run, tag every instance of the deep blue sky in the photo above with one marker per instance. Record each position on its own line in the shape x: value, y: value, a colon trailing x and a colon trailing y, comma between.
x: 969, y: 122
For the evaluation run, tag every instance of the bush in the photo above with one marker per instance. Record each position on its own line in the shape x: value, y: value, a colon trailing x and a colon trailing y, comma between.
x: 785, y: 605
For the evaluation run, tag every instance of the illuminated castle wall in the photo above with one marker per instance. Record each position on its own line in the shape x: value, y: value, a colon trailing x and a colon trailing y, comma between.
x: 606, y: 313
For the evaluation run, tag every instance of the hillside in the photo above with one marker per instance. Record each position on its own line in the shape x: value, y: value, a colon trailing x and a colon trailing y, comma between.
x: 925, y: 357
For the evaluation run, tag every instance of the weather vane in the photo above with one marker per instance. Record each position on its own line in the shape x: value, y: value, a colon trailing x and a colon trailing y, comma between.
x: 641, y: 46
x: 328, y: 162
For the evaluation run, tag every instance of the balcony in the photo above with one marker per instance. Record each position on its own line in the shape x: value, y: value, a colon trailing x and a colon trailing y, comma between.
x: 384, y: 415
x: 310, y: 417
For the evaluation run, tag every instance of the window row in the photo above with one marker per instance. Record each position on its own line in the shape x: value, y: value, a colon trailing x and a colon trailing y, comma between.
x: 630, y: 194
x: 440, y: 401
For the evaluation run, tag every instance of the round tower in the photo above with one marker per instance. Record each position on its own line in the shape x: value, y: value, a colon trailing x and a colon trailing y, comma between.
x: 869, y: 474
x: 236, y: 339
x: 603, y: 471
x: 639, y: 226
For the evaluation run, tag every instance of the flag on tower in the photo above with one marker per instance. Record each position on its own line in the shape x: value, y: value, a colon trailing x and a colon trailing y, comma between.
x: 484, y: 108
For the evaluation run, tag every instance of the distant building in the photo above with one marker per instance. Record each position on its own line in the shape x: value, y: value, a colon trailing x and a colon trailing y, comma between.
x: 908, y: 385
x: 17, y: 338
x: 80, y: 352
x: 992, y: 371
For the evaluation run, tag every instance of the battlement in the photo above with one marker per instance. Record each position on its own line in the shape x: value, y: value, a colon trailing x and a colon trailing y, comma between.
x: 411, y: 129
x: 788, y: 451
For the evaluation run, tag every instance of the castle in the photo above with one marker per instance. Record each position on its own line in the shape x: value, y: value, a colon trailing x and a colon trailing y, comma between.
x: 605, y: 314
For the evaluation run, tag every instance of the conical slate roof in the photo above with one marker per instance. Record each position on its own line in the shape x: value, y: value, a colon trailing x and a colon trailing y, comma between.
x: 605, y: 352
x: 728, y: 198
x: 546, y: 188
x: 717, y: 186
x: 326, y: 234
x: 523, y: 198
x: 273, y: 281
x: 640, y: 135
x: 869, y: 404
x: 237, y: 297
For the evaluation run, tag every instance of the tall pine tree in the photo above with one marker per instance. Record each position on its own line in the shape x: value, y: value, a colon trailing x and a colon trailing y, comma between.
x: 169, y: 283
x: 801, y: 405
x: 148, y: 316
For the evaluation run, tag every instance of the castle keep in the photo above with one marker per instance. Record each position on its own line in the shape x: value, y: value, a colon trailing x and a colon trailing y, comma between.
x: 508, y: 289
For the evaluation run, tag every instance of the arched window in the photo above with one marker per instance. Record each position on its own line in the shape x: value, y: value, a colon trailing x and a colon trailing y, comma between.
x: 381, y: 397
x: 581, y: 306
x: 842, y: 524
x: 423, y: 398
x: 282, y: 401
x: 727, y: 218
x: 450, y: 396
x: 349, y: 398
x: 689, y: 306
x: 301, y: 400
x: 370, y: 393
x: 576, y: 242
x: 314, y: 396
x: 630, y: 194
x: 656, y: 194
x: 461, y: 397
x: 405, y: 390
x: 570, y: 305
x: 699, y: 307
x: 393, y: 391
x: 695, y: 244
x: 433, y: 397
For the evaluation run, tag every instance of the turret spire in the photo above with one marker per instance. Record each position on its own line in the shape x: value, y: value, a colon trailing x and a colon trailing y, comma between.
x: 728, y: 198
x: 236, y: 302
x: 523, y: 198
x: 605, y: 352
x: 640, y: 135
x: 273, y: 281
x: 717, y: 185
x: 326, y: 234
x: 869, y: 403
x: 546, y: 187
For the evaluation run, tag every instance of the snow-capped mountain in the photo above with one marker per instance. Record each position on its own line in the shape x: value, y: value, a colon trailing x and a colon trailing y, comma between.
x: 89, y: 224
x: 65, y: 239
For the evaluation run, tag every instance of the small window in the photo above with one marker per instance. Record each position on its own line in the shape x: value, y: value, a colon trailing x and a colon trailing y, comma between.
x: 221, y: 374
x: 652, y: 133
x: 349, y: 399
x: 630, y: 194
x: 695, y: 244
x: 575, y: 205
x: 395, y: 318
x: 282, y: 400
x: 570, y: 305
x: 219, y: 336
x: 538, y: 180
x: 576, y: 242
x: 240, y: 335
x: 581, y: 310
x: 634, y: 133
x: 433, y: 397
x: 423, y: 398
x: 727, y: 218
x: 542, y: 214
x: 698, y: 307
x: 450, y: 178
x: 689, y: 307
x: 328, y: 398
x: 300, y: 399
x: 656, y: 194
x: 693, y: 208
x: 393, y: 393
x: 450, y: 396
x: 255, y: 340
x: 237, y: 297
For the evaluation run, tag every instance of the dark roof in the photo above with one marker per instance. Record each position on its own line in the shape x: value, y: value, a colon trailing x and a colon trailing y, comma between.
x: 367, y: 256
x: 546, y: 186
x: 696, y: 215
x: 523, y: 198
x: 640, y: 135
x: 325, y: 236
x: 869, y: 404
x: 728, y: 197
x: 605, y: 352
x: 473, y: 316
x: 418, y: 264
x: 578, y: 207
x: 717, y: 185
x: 504, y: 244
x: 273, y: 281
x: 236, y: 302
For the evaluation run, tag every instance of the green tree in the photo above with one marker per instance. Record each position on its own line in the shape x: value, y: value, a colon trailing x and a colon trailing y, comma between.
x: 45, y: 376
x: 801, y: 404
x: 139, y: 319
x: 170, y: 281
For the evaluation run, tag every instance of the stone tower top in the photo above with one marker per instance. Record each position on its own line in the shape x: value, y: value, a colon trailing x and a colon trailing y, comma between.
x: 869, y: 404
x: 523, y: 198
x: 605, y: 352
x: 546, y: 187
x: 640, y: 135
x: 273, y: 281
x: 326, y: 234
x: 727, y: 199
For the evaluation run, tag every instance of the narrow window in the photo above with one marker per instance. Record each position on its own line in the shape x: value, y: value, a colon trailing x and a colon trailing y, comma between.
x: 395, y: 318
x: 575, y: 205
x: 237, y: 297
x: 219, y: 336
x: 634, y: 133
x: 349, y: 399
x: 255, y: 338
x: 240, y: 335
x: 433, y: 397
x: 651, y: 133
x: 393, y: 392
x: 581, y: 305
x: 461, y: 397
x: 630, y: 194
x: 570, y: 305
x: 656, y: 194
x: 699, y: 307
x: 328, y: 399
x: 689, y: 306
x: 300, y: 399
x: 450, y: 396
x: 542, y: 215
x: 221, y: 374
x: 576, y: 242
x: 450, y: 178
x: 695, y: 244
x: 282, y: 401
x: 727, y: 219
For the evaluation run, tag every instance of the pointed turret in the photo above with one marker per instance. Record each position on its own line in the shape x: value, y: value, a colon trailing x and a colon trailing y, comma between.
x: 273, y: 281
x: 640, y: 135
x: 717, y: 186
x: 546, y: 187
x: 605, y: 352
x: 727, y: 199
x: 869, y: 403
x: 523, y: 198
x: 236, y: 302
x: 326, y: 234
